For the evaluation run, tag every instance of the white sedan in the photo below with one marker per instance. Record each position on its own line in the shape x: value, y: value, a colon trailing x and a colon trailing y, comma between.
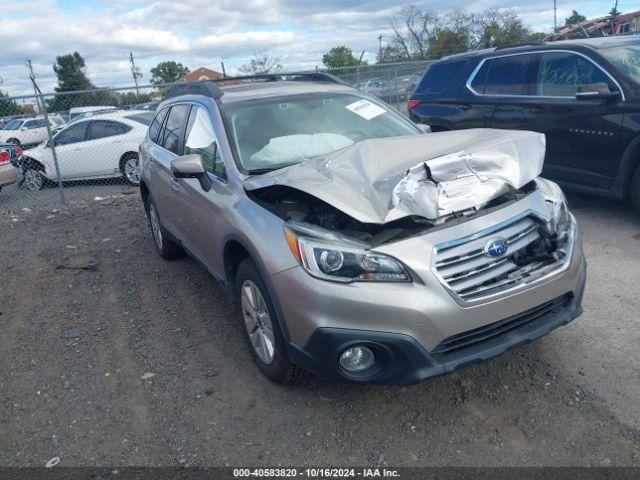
x: 28, y: 131
x: 101, y: 146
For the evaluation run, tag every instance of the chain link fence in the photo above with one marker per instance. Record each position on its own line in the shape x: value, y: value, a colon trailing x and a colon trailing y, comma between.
x: 81, y: 146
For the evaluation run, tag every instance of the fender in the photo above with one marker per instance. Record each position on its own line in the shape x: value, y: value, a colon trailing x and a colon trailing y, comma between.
x: 629, y: 161
x: 242, y: 240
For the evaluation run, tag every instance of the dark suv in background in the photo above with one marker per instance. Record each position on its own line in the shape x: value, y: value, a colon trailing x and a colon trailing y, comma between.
x: 584, y: 95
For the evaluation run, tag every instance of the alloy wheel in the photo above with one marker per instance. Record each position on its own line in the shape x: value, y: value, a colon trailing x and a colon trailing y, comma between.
x: 132, y: 170
x: 258, y: 321
x: 155, y: 226
x: 32, y: 180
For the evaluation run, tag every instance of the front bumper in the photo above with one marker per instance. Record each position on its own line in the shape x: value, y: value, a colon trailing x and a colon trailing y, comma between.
x: 8, y: 174
x: 412, y: 321
x: 404, y: 361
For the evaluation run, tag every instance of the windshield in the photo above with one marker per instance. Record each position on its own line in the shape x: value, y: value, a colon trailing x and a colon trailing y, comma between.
x: 626, y: 58
x: 13, y: 125
x: 278, y: 132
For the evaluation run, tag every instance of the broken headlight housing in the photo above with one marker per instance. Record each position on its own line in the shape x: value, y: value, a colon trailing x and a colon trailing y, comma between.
x: 331, y: 257
x: 559, y: 216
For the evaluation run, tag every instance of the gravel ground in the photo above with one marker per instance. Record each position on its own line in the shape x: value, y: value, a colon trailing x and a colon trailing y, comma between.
x: 113, y: 357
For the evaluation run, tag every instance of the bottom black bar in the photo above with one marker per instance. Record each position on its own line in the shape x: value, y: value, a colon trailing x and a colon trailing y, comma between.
x: 426, y: 473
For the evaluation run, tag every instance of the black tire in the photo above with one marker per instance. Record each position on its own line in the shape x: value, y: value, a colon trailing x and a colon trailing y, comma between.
x: 634, y: 190
x: 166, y: 248
x: 14, y: 141
x: 130, y: 178
x: 281, y: 369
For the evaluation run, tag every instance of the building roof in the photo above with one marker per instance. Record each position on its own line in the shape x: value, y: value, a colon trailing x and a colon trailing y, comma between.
x: 201, y: 73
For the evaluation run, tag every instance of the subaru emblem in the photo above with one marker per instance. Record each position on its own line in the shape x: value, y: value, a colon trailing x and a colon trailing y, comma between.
x: 496, y: 247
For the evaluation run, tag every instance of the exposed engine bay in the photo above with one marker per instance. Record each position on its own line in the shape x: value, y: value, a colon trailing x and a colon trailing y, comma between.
x: 296, y: 206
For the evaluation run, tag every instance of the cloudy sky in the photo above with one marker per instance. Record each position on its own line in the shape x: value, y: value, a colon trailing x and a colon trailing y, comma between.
x: 205, y: 32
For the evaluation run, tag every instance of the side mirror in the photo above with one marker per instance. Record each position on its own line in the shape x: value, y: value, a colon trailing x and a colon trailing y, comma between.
x: 423, y: 127
x: 191, y: 166
x: 596, y: 91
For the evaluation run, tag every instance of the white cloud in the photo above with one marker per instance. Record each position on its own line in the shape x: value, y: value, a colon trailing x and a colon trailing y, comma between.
x: 205, y: 32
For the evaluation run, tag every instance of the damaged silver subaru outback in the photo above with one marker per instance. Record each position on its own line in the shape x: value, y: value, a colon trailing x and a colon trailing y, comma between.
x: 356, y: 246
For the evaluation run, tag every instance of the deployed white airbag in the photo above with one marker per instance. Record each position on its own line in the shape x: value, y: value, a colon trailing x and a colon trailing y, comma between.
x: 297, y: 148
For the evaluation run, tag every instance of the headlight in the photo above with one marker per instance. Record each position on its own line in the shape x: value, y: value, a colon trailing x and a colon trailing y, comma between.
x: 331, y: 259
x: 559, y: 216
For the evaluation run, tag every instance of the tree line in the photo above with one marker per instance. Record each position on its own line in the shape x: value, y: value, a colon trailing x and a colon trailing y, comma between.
x: 415, y: 34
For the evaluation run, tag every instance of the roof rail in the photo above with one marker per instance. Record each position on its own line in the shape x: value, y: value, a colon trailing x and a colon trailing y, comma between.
x: 523, y: 44
x: 296, y: 76
x: 210, y: 88
x: 205, y: 88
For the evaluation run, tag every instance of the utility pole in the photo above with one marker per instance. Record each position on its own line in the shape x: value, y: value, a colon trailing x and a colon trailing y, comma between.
x: 32, y: 77
x: 555, y: 16
x: 380, y: 45
x: 50, y: 142
x: 135, y: 71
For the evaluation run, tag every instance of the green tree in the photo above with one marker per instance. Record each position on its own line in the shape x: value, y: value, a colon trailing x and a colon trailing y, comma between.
x: 260, y: 64
x: 70, y: 70
x: 575, y: 18
x: 389, y: 54
x: 501, y: 27
x: 131, y: 98
x: 168, y: 72
x: 446, y: 42
x: 341, y: 56
x: 536, y: 36
x: 8, y: 106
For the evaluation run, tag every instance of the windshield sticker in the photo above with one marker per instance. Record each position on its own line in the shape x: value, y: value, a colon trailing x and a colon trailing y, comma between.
x: 365, y: 109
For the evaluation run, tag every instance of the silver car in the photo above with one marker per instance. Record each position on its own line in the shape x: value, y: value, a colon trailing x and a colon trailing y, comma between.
x: 357, y: 246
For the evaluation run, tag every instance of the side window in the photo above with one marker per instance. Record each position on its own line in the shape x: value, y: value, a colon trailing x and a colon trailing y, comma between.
x: 174, y: 128
x: 105, y: 128
x: 504, y: 75
x: 561, y: 74
x: 156, y: 125
x: 30, y: 125
x: 75, y: 133
x: 200, y: 138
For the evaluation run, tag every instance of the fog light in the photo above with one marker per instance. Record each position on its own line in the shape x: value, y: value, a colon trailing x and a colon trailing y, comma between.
x: 357, y: 359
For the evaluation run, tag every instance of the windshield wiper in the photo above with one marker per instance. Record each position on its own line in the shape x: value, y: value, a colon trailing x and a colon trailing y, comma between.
x: 260, y: 171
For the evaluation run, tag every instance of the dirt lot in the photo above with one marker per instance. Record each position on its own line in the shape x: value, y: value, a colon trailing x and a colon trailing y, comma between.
x: 111, y: 356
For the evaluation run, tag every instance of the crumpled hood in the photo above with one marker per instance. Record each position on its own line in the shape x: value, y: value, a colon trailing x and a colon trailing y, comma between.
x: 432, y: 175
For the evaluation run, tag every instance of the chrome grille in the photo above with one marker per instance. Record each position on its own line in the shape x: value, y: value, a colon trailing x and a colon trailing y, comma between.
x: 470, y: 274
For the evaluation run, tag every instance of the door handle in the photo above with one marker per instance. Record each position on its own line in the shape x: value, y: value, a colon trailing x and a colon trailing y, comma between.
x: 464, y: 106
x: 537, y: 109
x: 175, y: 183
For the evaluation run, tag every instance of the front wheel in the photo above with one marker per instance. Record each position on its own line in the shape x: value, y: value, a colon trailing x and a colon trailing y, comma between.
x: 33, y: 179
x: 261, y: 327
x: 634, y: 192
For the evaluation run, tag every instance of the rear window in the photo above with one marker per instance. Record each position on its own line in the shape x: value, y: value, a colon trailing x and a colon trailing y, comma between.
x: 144, y: 118
x: 438, y: 76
